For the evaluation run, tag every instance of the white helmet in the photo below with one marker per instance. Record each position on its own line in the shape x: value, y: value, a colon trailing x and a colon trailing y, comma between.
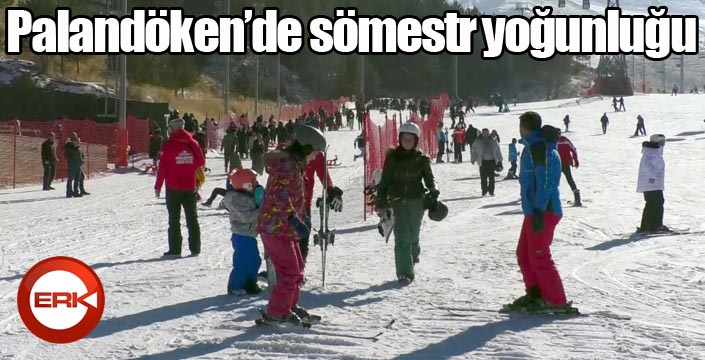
x: 410, y: 128
x: 659, y: 139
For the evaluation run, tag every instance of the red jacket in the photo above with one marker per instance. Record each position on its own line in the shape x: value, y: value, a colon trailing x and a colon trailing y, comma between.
x: 568, y: 153
x: 181, y: 158
x: 459, y: 136
x: 317, y: 166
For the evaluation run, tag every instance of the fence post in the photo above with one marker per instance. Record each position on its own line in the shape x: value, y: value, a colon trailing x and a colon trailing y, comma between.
x: 14, y: 158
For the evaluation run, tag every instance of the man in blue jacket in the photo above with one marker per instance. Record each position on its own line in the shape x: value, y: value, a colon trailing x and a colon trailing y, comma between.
x: 539, y: 178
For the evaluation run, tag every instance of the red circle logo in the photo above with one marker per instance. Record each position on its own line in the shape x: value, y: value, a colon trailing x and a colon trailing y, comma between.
x: 60, y: 300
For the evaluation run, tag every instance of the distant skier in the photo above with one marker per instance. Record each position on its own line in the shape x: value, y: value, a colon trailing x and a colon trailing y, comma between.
x: 674, y: 91
x: 442, y: 140
x: 257, y: 151
x: 640, y: 127
x: 539, y: 178
x: 569, y: 159
x: 49, y: 160
x: 487, y: 154
x: 605, y: 121
x: 227, y: 146
x: 401, y: 188
x: 282, y: 222
x: 513, y: 157
x: 243, y: 207
x: 621, y: 104
x: 458, y: 139
x: 495, y: 136
x: 614, y: 104
x: 652, y: 173
x: 566, y: 122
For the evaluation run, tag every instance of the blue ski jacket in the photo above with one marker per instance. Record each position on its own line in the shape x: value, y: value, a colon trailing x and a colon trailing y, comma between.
x: 540, y: 174
x: 513, y: 154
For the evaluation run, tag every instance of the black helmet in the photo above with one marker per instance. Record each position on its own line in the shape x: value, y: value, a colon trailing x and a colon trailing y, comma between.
x: 439, y: 213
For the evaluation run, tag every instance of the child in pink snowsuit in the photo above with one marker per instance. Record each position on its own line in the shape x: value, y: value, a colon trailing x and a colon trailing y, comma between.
x: 282, y: 222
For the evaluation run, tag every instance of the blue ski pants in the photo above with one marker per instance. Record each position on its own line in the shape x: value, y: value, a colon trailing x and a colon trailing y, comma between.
x: 246, y: 262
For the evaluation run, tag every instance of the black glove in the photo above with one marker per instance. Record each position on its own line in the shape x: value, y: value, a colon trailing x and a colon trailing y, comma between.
x: 434, y: 194
x: 537, y: 221
x: 335, y: 199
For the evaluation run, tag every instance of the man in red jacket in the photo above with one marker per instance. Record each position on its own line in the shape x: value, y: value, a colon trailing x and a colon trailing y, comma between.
x: 181, y: 158
x: 569, y: 158
x: 459, y: 140
x: 318, y: 168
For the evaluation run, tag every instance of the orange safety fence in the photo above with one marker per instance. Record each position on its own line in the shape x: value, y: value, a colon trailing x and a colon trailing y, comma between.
x: 22, y: 162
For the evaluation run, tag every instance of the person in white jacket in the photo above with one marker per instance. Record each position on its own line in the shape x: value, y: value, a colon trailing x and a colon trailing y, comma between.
x: 652, y: 172
x: 485, y: 151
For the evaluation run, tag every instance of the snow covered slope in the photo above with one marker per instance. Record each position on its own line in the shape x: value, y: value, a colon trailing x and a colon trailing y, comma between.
x: 644, y: 298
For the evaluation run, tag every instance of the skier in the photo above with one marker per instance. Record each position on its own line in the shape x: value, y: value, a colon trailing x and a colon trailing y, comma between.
x: 652, y: 173
x: 227, y: 147
x: 202, y: 140
x: 614, y: 104
x: 258, y: 149
x: 181, y: 159
x: 441, y: 143
x: 640, y: 127
x: 495, y: 136
x: 243, y: 206
x: 605, y: 121
x: 73, y: 153
x: 401, y: 189
x: 155, y: 147
x: 458, y: 140
x: 49, y: 160
x: 242, y: 142
x: 513, y: 157
x: 359, y: 143
x: 539, y: 178
x: 674, y: 92
x: 569, y: 158
x: 566, y: 122
x: 282, y: 222
x: 487, y: 154
x: 621, y: 104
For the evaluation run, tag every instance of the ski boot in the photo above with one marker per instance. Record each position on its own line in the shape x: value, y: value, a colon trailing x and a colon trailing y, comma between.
x: 542, y: 307
x: 252, y: 288
x: 578, y: 202
x: 405, y: 281
x: 532, y: 296
x: 287, y: 320
x: 305, y: 315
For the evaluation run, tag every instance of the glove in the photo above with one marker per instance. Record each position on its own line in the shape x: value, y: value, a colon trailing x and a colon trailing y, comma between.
x: 577, y: 164
x: 434, y: 194
x: 300, y: 226
x: 537, y: 221
x: 335, y: 199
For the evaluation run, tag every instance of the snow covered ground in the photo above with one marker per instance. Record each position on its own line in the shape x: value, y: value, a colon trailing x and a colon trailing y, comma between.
x: 644, y: 299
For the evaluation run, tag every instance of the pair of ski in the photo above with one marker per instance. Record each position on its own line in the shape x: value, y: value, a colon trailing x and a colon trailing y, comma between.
x: 322, y: 238
x: 305, y: 323
x: 569, y: 311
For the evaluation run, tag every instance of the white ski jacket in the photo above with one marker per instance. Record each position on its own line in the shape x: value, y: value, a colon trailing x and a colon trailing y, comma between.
x: 652, y: 169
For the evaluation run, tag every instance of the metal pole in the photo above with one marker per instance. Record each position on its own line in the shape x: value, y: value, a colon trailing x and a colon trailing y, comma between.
x: 122, y: 115
x: 643, y: 75
x: 257, y: 86
x: 456, y: 76
x: 664, y: 75
x: 226, y: 86
x: 682, y: 74
x: 279, y: 85
x: 362, y: 81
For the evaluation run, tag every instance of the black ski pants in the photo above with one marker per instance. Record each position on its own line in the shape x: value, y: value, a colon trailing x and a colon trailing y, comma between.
x: 441, y: 152
x: 458, y: 152
x: 652, y: 217
x: 175, y: 200
x: 567, y: 172
x: 604, y: 128
x: 49, y: 173
x: 487, y: 169
x: 215, y: 193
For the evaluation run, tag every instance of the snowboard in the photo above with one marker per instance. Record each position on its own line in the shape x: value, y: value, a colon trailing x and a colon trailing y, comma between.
x: 385, y: 226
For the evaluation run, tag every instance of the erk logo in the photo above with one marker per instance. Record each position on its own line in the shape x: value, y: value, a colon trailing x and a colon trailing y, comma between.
x: 60, y: 300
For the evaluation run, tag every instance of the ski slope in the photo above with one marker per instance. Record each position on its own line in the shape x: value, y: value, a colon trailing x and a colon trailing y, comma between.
x: 643, y: 298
